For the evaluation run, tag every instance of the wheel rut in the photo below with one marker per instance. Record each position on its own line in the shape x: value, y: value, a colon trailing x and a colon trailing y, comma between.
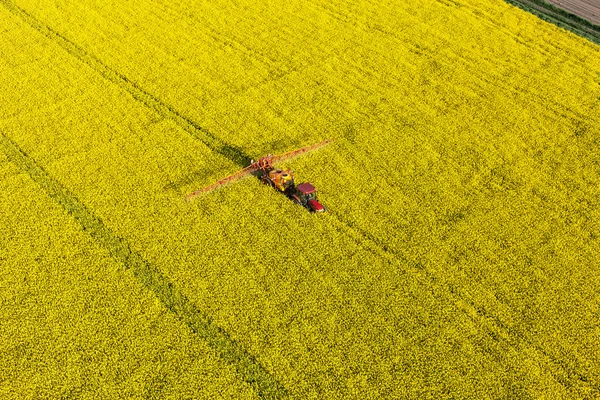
x: 232, y: 352
x: 216, y: 144
x: 498, y: 331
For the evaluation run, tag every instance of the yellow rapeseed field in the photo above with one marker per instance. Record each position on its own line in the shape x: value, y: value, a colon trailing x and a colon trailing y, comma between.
x: 74, y: 324
x: 459, y: 254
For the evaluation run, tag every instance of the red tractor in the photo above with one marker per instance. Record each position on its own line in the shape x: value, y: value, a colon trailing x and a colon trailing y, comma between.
x: 304, y: 194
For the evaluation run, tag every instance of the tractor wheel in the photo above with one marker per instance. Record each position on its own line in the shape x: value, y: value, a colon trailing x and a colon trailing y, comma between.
x: 296, y: 200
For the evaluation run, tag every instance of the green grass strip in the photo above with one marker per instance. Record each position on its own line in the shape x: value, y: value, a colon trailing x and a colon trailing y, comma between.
x: 560, y: 17
x: 216, y: 144
x: 232, y: 352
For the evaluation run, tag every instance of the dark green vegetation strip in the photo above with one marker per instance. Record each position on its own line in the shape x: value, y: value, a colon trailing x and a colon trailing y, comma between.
x: 504, y: 335
x: 559, y: 17
x: 249, y: 369
x: 204, y: 135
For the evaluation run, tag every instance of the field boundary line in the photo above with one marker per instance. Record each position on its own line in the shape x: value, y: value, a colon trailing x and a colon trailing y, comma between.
x: 230, y: 351
x: 560, y: 17
x: 490, y: 323
x: 198, y: 132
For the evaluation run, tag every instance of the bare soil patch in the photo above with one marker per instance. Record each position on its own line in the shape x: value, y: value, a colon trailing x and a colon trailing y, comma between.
x: 587, y: 9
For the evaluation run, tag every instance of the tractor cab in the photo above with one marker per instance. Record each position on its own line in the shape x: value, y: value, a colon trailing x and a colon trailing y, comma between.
x: 307, y: 196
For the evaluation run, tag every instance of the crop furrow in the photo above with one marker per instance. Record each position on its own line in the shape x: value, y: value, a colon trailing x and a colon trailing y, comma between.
x: 494, y: 327
x: 232, y: 352
x: 233, y: 153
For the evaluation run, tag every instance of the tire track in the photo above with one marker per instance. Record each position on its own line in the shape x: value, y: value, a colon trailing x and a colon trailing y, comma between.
x: 200, y: 133
x: 491, y: 324
x: 247, y: 366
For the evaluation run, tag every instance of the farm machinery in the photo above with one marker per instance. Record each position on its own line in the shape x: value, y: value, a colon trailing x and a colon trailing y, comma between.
x: 281, y: 180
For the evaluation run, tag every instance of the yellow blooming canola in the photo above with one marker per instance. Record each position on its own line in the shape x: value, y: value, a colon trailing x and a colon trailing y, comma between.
x: 458, y: 254
x: 75, y: 323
